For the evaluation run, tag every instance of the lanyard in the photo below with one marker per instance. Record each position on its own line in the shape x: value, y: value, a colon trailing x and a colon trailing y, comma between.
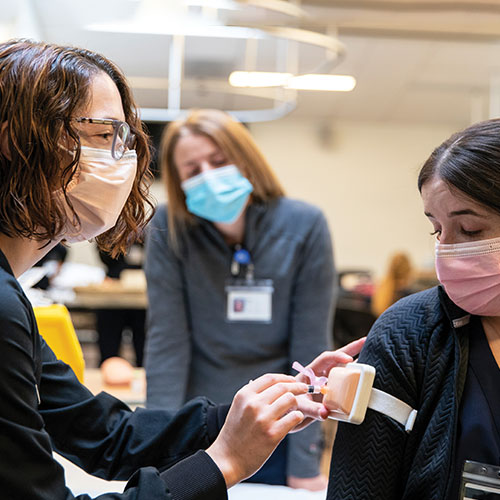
x: 242, y: 262
x: 247, y: 299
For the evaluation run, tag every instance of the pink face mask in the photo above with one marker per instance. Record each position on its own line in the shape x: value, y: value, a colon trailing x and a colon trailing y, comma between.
x: 470, y: 274
x: 98, y: 192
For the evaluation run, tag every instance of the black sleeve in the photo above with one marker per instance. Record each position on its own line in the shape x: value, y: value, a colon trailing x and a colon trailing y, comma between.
x: 370, y: 461
x: 109, y: 440
x: 98, y: 433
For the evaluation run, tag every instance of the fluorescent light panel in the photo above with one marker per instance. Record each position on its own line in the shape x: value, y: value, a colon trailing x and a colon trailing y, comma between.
x: 339, y: 83
x: 258, y: 79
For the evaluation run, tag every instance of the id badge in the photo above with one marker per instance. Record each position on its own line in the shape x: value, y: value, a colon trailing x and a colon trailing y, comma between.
x: 480, y: 481
x: 249, y: 301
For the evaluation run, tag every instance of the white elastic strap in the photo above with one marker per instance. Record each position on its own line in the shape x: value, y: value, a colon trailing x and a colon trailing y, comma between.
x: 393, y: 407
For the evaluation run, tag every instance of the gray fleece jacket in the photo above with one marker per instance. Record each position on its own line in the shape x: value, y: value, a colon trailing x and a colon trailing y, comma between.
x: 192, y: 350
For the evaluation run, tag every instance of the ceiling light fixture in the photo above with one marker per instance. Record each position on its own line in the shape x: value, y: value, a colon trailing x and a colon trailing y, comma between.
x: 332, y: 83
x: 320, y: 82
x: 179, y: 24
x: 259, y: 79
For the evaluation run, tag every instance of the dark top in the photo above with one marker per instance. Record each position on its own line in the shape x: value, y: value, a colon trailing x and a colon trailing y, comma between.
x: 419, y: 348
x: 43, y: 407
x: 191, y: 350
x: 478, y: 434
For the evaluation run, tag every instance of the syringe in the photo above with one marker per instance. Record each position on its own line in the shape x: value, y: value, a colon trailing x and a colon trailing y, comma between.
x: 316, y: 389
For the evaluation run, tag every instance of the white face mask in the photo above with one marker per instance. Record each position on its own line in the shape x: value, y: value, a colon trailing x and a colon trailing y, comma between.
x: 98, y: 192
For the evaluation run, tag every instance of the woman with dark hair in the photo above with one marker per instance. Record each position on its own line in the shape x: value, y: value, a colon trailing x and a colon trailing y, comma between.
x: 438, y: 350
x: 240, y: 280
x: 74, y: 166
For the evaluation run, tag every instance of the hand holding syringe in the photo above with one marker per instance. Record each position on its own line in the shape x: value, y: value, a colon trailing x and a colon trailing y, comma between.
x: 312, y: 404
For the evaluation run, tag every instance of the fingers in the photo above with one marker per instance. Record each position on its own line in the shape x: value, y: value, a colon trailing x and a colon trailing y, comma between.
x: 312, y: 408
x: 286, y: 423
x: 285, y: 404
x: 276, y: 400
x: 354, y: 347
x: 268, y: 380
x: 327, y: 360
x: 261, y: 415
x: 273, y: 393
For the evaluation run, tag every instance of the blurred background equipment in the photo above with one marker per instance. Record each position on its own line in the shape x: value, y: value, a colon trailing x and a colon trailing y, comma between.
x: 125, y: 272
x: 353, y: 315
x: 55, y: 326
x: 396, y: 283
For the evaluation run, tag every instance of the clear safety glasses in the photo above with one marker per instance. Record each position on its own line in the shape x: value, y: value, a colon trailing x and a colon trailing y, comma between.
x: 100, y: 133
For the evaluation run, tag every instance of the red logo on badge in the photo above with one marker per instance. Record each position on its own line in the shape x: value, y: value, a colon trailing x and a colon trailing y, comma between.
x: 239, y: 305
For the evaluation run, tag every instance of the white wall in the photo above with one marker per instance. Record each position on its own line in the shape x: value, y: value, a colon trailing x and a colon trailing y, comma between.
x: 363, y: 176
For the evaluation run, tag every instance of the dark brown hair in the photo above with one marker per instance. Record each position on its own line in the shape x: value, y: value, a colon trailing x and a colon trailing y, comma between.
x: 469, y: 161
x: 234, y: 141
x: 41, y: 87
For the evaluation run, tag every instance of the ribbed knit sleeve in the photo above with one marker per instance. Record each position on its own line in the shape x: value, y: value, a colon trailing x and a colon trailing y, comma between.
x: 413, y: 350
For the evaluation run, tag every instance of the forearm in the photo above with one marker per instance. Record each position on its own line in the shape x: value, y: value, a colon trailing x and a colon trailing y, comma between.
x: 109, y: 440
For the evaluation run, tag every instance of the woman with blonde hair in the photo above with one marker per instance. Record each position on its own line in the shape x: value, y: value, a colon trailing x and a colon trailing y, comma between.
x: 394, y: 285
x: 240, y: 279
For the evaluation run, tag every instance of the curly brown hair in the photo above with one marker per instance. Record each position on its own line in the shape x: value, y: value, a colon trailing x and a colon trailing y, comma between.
x: 41, y: 87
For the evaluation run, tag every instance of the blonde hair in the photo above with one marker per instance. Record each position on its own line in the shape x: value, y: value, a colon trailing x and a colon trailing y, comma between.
x: 398, y: 277
x: 234, y: 140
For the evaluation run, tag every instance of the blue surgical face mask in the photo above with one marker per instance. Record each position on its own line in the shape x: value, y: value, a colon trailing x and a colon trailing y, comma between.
x: 218, y: 195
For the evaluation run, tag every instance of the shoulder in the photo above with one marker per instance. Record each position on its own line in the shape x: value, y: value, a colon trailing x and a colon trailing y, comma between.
x: 159, y: 219
x: 157, y: 230
x: 424, y: 306
x: 296, y: 218
x: 159, y: 224
x: 405, y: 329
x: 298, y: 209
x: 14, y: 305
x: 16, y: 315
x: 402, y: 342
x: 420, y: 313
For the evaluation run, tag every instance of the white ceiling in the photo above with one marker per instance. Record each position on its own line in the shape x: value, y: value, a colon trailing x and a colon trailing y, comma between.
x: 420, y: 61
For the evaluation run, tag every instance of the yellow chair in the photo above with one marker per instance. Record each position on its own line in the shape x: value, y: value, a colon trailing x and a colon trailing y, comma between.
x: 55, y: 326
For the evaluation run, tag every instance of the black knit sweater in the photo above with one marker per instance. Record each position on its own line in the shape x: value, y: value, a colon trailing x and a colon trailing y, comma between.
x: 421, y: 358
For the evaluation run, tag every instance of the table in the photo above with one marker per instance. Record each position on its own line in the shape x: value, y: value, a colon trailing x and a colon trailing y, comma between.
x: 79, y: 482
x: 129, y: 292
